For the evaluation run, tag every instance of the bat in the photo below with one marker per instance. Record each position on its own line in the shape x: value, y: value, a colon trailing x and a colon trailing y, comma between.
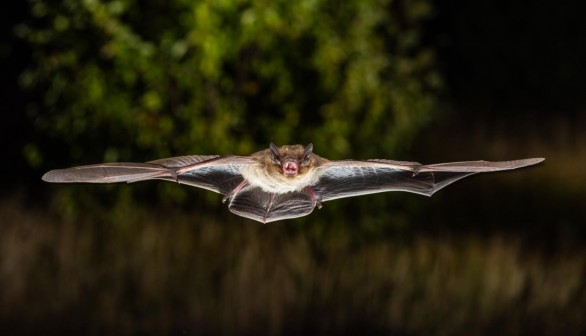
x: 285, y: 182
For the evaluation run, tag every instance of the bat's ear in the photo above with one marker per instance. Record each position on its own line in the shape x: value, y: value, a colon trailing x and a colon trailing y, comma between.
x: 307, y: 154
x: 274, y: 153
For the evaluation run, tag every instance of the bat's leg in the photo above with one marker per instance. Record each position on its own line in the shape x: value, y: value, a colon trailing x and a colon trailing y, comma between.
x: 314, y: 197
x: 269, y: 207
x: 235, y: 191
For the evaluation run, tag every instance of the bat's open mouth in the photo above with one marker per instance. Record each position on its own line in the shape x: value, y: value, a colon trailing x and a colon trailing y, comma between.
x: 290, y: 168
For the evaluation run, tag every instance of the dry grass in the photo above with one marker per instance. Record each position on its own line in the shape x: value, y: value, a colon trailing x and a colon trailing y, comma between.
x: 173, y: 273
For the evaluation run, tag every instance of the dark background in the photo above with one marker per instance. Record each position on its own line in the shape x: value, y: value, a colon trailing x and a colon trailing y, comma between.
x: 497, y: 253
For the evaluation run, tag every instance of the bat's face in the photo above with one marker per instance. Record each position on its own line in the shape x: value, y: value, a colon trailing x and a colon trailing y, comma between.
x: 290, y: 161
x: 283, y: 169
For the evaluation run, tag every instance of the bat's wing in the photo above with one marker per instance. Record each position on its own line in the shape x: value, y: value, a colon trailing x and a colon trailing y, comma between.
x: 220, y: 174
x: 353, y: 178
x: 254, y: 203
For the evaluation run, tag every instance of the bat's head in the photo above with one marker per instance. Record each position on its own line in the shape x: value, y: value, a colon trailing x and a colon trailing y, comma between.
x: 291, y: 160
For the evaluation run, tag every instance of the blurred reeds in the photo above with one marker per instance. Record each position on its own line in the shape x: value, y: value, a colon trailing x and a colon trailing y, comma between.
x: 166, y: 273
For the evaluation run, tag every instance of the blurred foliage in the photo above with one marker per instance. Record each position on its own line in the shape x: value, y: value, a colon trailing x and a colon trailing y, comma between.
x: 167, y: 77
x: 128, y: 81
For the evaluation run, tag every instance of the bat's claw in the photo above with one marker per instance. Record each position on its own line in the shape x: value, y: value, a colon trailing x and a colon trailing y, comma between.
x: 174, y: 175
x: 416, y: 171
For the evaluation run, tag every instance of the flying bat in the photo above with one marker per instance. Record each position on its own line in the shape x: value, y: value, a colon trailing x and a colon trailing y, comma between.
x: 285, y: 182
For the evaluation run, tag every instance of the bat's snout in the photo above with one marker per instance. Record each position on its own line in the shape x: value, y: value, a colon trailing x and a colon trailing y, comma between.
x: 290, y: 168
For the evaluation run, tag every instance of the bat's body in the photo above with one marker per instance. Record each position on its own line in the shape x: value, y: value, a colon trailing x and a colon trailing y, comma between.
x: 287, y: 181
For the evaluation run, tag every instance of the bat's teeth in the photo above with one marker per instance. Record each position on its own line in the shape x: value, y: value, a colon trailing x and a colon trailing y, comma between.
x: 290, y: 168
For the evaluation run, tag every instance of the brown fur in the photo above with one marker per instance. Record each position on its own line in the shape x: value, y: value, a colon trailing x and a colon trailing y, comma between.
x: 287, y: 151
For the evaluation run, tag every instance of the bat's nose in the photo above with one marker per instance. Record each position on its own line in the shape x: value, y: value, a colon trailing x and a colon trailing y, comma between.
x: 290, y: 168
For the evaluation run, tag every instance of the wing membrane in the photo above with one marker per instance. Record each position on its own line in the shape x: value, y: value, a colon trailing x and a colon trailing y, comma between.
x: 107, y: 173
x: 220, y: 174
x: 216, y: 173
x: 254, y: 203
x: 353, y: 178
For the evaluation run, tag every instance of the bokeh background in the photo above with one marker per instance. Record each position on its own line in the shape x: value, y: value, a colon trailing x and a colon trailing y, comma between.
x: 430, y: 81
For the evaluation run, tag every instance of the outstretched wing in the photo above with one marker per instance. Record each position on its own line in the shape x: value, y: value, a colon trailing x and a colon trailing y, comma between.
x: 220, y: 174
x: 215, y: 173
x: 353, y: 178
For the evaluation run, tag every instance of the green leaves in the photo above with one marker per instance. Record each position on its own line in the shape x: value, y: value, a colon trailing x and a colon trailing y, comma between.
x: 181, y: 77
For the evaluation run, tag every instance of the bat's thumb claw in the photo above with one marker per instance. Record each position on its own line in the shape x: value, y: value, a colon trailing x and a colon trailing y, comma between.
x: 416, y: 171
x: 174, y: 175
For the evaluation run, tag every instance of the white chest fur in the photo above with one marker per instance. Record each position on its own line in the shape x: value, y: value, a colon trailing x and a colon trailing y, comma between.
x: 277, y: 183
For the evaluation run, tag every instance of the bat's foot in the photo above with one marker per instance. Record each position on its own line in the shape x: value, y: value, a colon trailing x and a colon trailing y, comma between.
x: 314, y: 197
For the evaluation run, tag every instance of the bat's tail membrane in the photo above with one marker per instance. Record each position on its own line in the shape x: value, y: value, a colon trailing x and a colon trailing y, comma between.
x: 479, y: 166
x: 110, y: 173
